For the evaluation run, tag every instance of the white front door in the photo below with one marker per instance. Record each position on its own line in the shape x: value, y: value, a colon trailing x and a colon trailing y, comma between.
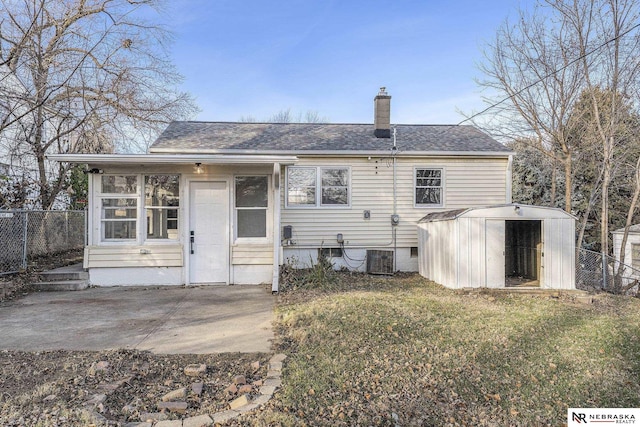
x: 495, y: 242
x: 209, y: 232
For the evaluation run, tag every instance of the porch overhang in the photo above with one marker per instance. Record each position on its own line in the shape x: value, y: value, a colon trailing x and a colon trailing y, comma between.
x: 174, y: 159
x: 133, y: 160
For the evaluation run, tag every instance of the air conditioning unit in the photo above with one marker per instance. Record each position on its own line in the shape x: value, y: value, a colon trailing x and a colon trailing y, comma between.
x: 379, y: 262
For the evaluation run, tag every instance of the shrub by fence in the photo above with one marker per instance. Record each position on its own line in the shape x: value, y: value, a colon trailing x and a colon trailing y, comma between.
x: 28, y: 235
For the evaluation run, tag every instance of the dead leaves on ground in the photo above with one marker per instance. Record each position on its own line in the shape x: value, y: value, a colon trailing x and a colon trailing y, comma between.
x: 429, y: 355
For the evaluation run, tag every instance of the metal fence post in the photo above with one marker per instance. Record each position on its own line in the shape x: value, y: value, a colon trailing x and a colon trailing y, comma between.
x: 25, y: 235
x: 605, y: 281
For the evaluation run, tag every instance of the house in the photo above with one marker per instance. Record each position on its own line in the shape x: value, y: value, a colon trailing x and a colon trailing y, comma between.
x: 228, y: 203
x: 499, y: 246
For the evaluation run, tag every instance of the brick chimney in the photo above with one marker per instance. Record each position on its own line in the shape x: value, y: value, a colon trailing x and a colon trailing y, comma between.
x: 382, y: 114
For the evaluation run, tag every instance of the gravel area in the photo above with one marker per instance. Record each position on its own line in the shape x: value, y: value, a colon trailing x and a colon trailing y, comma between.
x: 60, y: 388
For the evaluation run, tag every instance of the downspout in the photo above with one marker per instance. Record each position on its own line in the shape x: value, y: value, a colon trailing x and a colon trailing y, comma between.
x: 276, y: 228
x: 394, y: 151
x: 394, y: 218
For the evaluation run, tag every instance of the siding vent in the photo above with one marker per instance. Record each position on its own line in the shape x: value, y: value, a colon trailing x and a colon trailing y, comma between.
x: 379, y: 262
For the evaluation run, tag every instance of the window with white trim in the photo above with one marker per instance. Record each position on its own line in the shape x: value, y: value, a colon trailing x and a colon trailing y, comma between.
x: 428, y: 187
x: 161, y: 204
x: 251, y: 203
x: 318, y: 186
x: 124, y: 203
x: 118, y: 207
x: 301, y: 186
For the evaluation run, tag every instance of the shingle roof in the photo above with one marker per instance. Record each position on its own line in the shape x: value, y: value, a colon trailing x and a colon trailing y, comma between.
x: 190, y: 137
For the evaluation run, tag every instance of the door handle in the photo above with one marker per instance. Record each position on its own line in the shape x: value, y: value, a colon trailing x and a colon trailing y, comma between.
x: 192, y: 239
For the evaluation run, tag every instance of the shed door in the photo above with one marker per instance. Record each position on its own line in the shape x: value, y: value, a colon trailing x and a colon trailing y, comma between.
x: 209, y: 232
x: 495, y: 267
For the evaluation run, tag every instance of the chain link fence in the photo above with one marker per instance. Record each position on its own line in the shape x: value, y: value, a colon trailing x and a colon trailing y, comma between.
x: 29, y: 235
x: 595, y: 271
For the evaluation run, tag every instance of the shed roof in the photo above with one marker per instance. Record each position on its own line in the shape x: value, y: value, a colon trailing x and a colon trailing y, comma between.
x: 456, y: 213
x: 633, y: 229
x: 316, y: 138
x: 443, y: 216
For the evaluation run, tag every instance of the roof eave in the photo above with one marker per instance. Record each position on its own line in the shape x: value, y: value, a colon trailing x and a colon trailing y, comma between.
x: 163, y: 159
x: 334, y: 153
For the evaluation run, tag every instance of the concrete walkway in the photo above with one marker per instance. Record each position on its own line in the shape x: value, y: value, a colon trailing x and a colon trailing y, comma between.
x: 208, y: 319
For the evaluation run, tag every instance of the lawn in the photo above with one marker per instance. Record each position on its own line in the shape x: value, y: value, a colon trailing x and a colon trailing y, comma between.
x: 405, y: 351
x: 369, y: 351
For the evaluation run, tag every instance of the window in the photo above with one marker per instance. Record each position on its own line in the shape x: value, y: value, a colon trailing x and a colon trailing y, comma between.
x: 301, y: 186
x: 330, y: 252
x: 428, y: 187
x: 161, y: 203
x: 414, y: 252
x: 121, y: 198
x: 119, y: 207
x: 635, y: 255
x: 335, y: 186
x: 251, y: 204
x: 119, y: 219
x: 317, y: 186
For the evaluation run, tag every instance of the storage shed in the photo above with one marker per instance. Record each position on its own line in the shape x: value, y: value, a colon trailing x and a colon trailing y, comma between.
x: 498, y: 246
x: 631, y: 253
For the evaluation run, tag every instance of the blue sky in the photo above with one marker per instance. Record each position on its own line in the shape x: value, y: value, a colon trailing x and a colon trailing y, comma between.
x: 257, y: 57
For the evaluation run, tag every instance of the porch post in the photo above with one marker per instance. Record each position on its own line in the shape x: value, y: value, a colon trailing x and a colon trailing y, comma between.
x: 276, y: 228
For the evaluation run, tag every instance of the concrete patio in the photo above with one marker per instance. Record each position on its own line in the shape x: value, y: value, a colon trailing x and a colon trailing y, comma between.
x: 207, y: 319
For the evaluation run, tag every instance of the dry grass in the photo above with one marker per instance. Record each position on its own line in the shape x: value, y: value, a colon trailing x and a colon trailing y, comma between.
x: 375, y: 351
x: 407, y: 351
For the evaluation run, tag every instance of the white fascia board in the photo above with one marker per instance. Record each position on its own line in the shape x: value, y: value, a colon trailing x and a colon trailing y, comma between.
x: 342, y: 153
x: 156, y: 159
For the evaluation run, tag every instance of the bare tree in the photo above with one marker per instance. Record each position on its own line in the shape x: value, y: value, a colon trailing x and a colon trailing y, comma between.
x: 521, y: 65
x: 608, y: 49
x: 547, y: 62
x: 286, y: 116
x: 82, y: 76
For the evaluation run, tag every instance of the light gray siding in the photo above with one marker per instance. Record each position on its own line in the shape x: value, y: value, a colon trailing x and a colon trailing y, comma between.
x: 468, y: 182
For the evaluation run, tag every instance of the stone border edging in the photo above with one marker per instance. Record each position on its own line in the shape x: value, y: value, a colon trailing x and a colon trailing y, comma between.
x: 268, y: 388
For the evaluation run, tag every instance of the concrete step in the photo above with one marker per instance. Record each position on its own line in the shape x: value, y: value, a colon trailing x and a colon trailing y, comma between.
x: 56, y: 276
x: 69, y: 272
x: 62, y: 285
